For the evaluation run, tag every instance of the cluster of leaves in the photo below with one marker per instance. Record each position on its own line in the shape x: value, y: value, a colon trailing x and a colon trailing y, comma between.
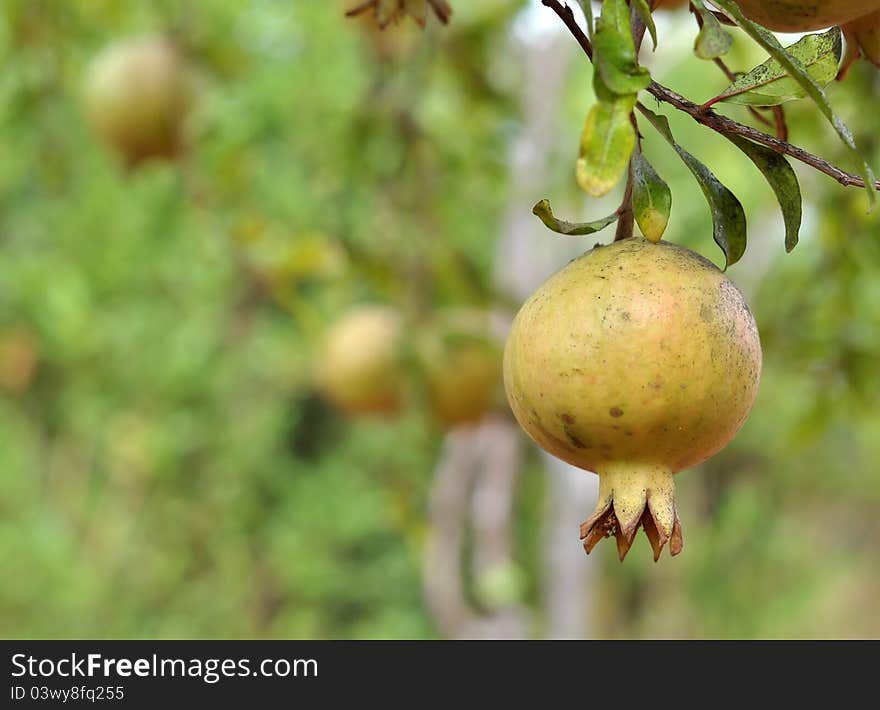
x: 611, y: 146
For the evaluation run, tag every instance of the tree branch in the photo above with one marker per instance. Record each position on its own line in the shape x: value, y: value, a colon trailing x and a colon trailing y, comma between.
x: 567, y: 16
x: 710, y: 119
x: 722, y: 124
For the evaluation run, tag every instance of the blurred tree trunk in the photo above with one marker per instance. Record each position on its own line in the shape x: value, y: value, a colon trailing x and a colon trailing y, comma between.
x: 480, y: 466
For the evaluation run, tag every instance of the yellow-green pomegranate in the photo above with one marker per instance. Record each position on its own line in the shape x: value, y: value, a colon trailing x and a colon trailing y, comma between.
x: 462, y: 367
x: 635, y: 361
x: 138, y: 93
x: 359, y: 367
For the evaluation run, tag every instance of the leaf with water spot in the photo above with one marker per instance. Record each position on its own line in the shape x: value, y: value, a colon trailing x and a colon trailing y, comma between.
x: 769, y: 84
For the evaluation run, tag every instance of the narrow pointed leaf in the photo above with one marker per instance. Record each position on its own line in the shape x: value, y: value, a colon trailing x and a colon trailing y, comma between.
x: 571, y: 229
x: 783, y: 181
x: 728, y: 217
x: 713, y: 41
x: 607, y: 142
x: 614, y: 51
x: 769, y: 84
x: 796, y: 69
x: 644, y: 11
x: 652, y: 198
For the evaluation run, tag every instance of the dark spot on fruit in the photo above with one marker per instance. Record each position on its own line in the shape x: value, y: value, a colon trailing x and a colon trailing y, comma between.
x: 552, y: 437
x: 572, y: 437
x: 615, y: 412
x: 567, y: 418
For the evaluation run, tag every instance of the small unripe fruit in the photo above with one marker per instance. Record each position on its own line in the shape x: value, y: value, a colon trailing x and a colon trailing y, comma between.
x: 462, y: 368
x: 359, y: 366
x: 138, y: 94
x: 635, y: 361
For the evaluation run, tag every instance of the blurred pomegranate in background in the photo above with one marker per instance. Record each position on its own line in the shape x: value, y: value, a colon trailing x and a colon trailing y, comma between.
x: 138, y: 94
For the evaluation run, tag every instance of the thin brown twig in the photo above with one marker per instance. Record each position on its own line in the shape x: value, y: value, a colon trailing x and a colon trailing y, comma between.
x: 781, y: 124
x: 723, y: 124
x: 717, y: 122
x: 626, y: 214
x: 567, y: 16
x: 626, y: 217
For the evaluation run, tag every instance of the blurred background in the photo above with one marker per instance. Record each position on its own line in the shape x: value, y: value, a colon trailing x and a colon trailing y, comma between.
x: 170, y: 464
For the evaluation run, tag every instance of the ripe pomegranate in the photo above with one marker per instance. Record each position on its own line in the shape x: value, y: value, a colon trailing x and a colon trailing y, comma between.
x: 138, y: 94
x: 635, y: 361
x: 862, y: 40
x: 462, y: 368
x: 805, y: 15
x: 359, y: 367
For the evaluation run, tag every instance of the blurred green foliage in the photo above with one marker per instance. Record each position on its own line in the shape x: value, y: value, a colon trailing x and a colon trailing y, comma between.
x: 166, y: 470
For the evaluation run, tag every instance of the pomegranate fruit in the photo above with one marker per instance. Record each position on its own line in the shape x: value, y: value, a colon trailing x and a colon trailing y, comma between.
x: 805, y: 15
x: 138, y: 94
x: 359, y: 366
x: 462, y: 368
x: 635, y: 361
x: 862, y: 40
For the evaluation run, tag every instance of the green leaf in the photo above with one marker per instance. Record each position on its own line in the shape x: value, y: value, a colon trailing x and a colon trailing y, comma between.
x: 713, y: 41
x: 769, y: 84
x: 814, y: 91
x: 614, y: 51
x: 545, y: 214
x: 728, y: 217
x: 587, y: 8
x: 652, y: 198
x: 644, y: 11
x: 782, y: 179
x: 607, y: 141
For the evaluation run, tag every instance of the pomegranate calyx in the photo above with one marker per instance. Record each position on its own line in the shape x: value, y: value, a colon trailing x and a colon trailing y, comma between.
x: 629, y: 500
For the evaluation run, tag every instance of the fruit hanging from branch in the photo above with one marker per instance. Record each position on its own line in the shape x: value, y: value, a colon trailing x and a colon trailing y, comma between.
x: 635, y: 361
x: 805, y: 15
x: 138, y: 94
